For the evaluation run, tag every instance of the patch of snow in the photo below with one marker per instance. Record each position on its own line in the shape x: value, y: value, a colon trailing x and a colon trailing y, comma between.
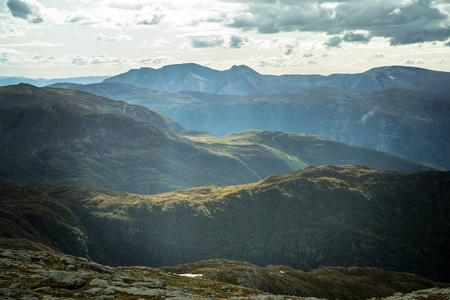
x: 190, y: 275
x: 281, y: 272
x: 367, y: 116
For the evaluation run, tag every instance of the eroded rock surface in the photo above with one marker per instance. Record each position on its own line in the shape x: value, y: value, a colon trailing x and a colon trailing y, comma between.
x: 46, y: 274
x: 26, y: 274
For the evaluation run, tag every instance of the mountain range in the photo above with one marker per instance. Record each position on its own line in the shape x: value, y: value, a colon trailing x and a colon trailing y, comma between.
x: 51, y: 136
x: 411, y: 124
x: 9, y: 80
x: 72, y: 166
x: 313, y: 218
x: 242, y: 80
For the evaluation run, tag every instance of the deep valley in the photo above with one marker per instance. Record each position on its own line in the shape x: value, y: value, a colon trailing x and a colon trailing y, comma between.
x: 190, y: 183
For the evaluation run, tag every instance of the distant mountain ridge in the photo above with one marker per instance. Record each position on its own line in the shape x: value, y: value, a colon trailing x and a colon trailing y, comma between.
x: 12, y: 80
x: 242, y: 80
x: 411, y: 124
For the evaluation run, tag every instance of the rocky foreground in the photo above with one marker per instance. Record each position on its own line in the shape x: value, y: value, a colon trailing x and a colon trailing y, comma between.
x: 30, y: 275
x: 33, y: 271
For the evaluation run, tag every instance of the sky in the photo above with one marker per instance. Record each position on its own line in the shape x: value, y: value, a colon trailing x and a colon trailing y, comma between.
x: 57, y: 39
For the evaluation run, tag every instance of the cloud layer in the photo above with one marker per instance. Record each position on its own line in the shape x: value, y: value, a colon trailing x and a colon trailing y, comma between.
x: 403, y: 22
x: 283, y: 35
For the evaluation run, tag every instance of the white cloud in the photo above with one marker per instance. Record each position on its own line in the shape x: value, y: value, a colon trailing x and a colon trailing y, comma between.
x: 92, y: 60
x: 414, y: 61
x: 155, y: 61
x: 223, y: 32
x: 108, y: 14
x: 9, y: 31
x: 157, y: 43
x: 34, y: 44
x: 115, y: 38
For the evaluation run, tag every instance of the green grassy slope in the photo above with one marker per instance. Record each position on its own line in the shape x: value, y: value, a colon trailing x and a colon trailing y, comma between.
x: 322, y: 216
x: 411, y: 124
x: 50, y: 136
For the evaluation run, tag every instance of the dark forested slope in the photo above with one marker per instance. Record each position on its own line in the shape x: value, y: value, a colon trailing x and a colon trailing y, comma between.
x: 317, y: 217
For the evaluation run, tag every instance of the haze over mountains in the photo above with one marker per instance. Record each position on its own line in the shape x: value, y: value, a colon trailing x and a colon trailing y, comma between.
x: 242, y: 80
x: 60, y: 136
x: 7, y: 80
x: 73, y: 163
x: 411, y: 124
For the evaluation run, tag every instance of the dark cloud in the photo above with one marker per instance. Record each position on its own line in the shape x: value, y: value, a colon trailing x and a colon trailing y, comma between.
x: 252, y: 1
x: 356, y: 37
x: 334, y: 42
x: 206, y: 41
x: 402, y: 22
x: 421, y: 35
x: 26, y: 9
x: 237, y: 41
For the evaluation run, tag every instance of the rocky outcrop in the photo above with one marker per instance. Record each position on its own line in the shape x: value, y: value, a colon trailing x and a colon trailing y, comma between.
x: 344, y: 283
x: 26, y: 274
x: 32, y: 274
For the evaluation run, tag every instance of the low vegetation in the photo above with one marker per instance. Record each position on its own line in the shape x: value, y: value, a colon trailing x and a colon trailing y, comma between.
x: 317, y: 217
x: 51, y: 136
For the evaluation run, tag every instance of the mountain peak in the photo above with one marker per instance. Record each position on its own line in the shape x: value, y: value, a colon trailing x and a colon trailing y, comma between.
x: 243, y: 80
x: 242, y: 68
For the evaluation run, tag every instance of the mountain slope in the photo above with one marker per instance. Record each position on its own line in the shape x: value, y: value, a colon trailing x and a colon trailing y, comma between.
x: 82, y: 103
x: 413, y: 125
x: 317, y: 217
x: 242, y: 80
x: 50, y: 136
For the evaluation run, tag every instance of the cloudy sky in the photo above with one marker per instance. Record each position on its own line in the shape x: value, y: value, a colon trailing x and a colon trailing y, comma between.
x: 55, y: 38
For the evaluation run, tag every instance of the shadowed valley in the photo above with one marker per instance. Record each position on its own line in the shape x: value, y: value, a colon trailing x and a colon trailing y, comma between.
x: 53, y: 136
